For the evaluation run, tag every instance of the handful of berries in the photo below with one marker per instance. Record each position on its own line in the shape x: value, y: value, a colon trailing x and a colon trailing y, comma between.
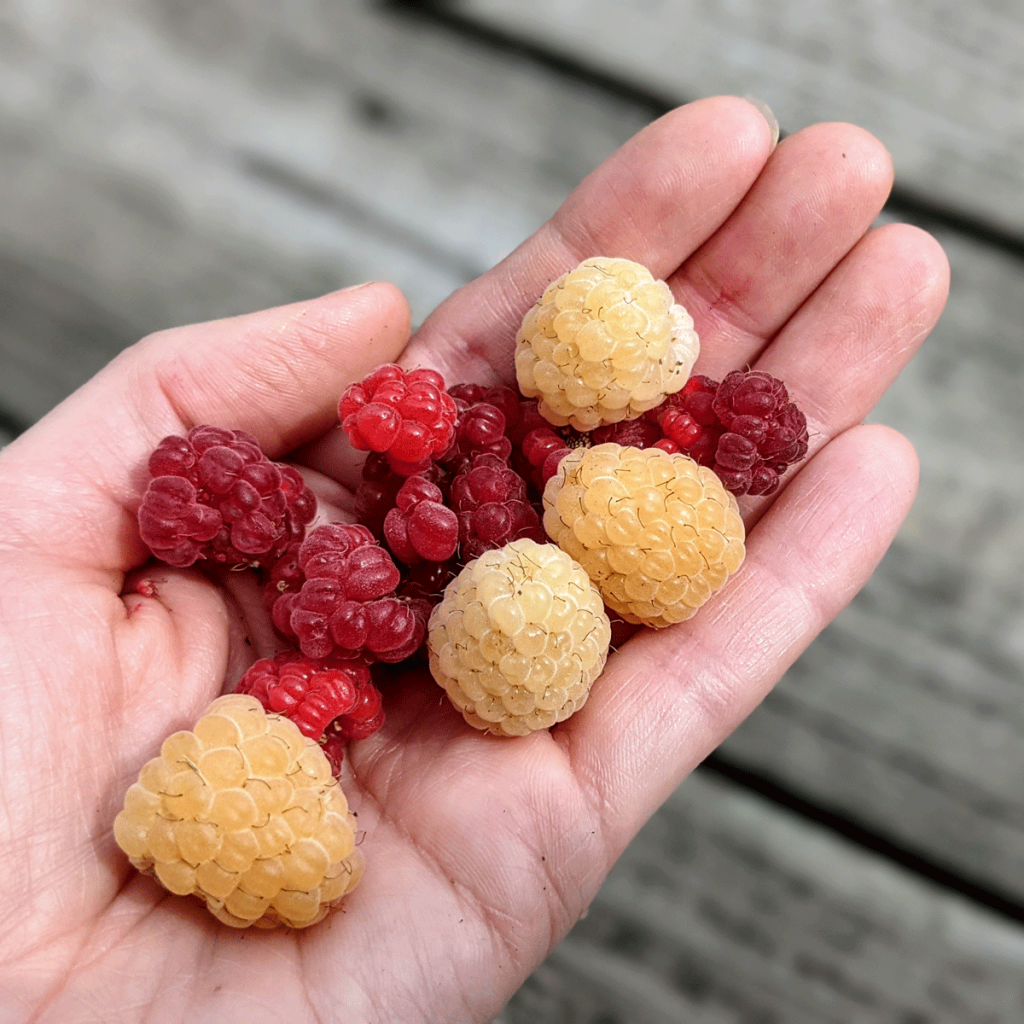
x: 499, y: 533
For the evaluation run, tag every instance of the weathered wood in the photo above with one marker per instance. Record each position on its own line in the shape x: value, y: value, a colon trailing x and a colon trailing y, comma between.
x: 939, y: 83
x: 907, y: 714
x: 725, y: 910
x: 176, y: 162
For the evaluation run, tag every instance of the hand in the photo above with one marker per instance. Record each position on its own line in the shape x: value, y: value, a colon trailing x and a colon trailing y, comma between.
x: 481, y: 852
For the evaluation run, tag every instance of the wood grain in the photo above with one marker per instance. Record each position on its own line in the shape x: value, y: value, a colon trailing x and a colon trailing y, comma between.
x: 726, y: 910
x: 940, y: 83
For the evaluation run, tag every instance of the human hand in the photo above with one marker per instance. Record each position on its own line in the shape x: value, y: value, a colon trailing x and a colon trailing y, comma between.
x: 481, y: 852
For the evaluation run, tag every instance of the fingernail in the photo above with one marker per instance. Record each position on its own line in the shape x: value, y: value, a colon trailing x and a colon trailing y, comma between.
x: 766, y: 113
x: 356, y: 287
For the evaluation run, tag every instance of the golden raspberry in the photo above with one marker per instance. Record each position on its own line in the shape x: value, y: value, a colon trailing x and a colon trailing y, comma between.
x: 242, y: 811
x: 606, y: 342
x: 518, y: 639
x: 657, y: 533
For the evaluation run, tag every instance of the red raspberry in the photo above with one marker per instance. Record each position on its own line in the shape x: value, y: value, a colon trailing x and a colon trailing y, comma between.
x: 215, y: 496
x: 345, y: 605
x: 421, y: 528
x: 638, y: 433
x: 491, y: 503
x: 408, y: 416
x: 426, y: 581
x: 688, y: 421
x: 745, y: 428
x: 506, y: 400
x: 331, y: 702
x: 765, y: 432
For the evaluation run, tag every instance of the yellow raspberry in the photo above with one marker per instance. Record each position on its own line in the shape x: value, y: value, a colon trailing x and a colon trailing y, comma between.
x: 243, y: 812
x: 518, y: 638
x: 606, y: 342
x: 657, y: 533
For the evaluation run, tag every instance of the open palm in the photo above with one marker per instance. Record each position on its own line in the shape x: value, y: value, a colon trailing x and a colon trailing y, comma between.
x: 481, y: 852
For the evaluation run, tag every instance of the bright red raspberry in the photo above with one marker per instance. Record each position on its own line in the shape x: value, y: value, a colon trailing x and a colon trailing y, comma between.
x: 214, y: 496
x: 331, y: 702
x: 408, y: 416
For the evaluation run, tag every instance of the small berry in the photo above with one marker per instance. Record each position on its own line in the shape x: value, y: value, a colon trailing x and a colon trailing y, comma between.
x: 492, y: 506
x: 345, y: 605
x: 605, y: 342
x: 214, y: 496
x: 406, y: 415
x: 421, y: 528
x: 518, y: 639
x: 242, y: 812
x: 657, y: 533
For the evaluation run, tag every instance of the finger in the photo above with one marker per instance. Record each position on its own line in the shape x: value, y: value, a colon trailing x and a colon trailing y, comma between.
x: 277, y: 374
x: 655, y: 201
x: 669, y: 697
x: 851, y: 339
x: 818, y: 195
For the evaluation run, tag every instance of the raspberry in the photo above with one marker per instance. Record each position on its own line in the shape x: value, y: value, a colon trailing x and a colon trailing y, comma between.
x: 481, y: 428
x: 689, y: 422
x: 492, y: 506
x: 408, y: 416
x: 657, y: 533
x: 214, y: 495
x: 605, y: 342
x: 765, y: 432
x: 243, y: 813
x: 421, y: 528
x: 745, y: 428
x: 310, y: 693
x: 518, y: 639
x: 345, y: 605
x: 641, y: 433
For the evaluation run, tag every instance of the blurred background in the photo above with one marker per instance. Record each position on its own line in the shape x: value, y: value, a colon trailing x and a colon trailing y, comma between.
x: 855, y: 852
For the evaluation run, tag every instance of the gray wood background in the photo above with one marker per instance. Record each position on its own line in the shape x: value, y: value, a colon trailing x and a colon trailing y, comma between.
x: 855, y: 852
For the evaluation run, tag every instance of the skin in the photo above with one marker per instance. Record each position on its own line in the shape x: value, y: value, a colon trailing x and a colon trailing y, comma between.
x: 481, y: 852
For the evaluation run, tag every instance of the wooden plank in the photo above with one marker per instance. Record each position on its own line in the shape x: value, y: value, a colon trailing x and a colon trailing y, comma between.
x: 939, y: 83
x: 906, y: 715
x: 725, y: 910
x: 166, y: 163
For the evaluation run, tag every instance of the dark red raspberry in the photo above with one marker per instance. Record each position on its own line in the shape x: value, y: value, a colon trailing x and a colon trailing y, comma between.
x: 345, y: 604
x: 331, y: 702
x: 493, y: 508
x: 638, y: 433
x: 215, y: 496
x: 421, y: 528
x: 408, y: 416
x: 745, y: 428
x: 765, y: 432
x: 426, y: 581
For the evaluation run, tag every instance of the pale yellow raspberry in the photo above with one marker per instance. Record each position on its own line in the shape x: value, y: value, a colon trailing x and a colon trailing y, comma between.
x: 242, y: 811
x: 656, y: 533
x: 606, y: 342
x: 518, y: 638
